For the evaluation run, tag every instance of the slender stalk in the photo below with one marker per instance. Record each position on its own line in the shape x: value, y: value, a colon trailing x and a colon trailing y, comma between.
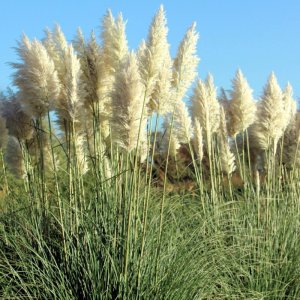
x: 6, y: 186
x: 146, y: 203
x: 60, y: 204
x: 41, y: 164
x: 241, y: 167
x: 134, y: 186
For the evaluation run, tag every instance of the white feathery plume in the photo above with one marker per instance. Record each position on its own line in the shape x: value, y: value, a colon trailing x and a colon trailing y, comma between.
x: 93, y: 76
x: 155, y: 55
x: 290, y: 105
x: 198, y: 140
x: 69, y: 105
x: 107, y: 30
x: 89, y: 55
x: 14, y: 158
x: 127, y: 103
x: 56, y: 44
x: 214, y: 106
x: 69, y: 73
x: 205, y: 107
x: 161, y: 100
x: 184, y: 72
x: 182, y: 123
x: 185, y: 63
x: 60, y: 39
x: 224, y: 101
x: 49, y: 43
x: 140, y: 50
x: 120, y: 39
x: 268, y: 128
x: 242, y: 106
x: 79, y: 44
x: 36, y: 78
x: 114, y: 42
x: 114, y: 52
x: 226, y: 156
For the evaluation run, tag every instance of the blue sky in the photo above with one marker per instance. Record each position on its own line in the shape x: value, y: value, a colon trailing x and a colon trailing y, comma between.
x: 259, y: 36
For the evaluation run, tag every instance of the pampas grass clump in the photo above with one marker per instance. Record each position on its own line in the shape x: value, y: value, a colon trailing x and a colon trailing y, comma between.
x: 106, y: 207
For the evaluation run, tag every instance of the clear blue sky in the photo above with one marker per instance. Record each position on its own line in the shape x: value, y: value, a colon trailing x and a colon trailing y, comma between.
x: 259, y: 36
